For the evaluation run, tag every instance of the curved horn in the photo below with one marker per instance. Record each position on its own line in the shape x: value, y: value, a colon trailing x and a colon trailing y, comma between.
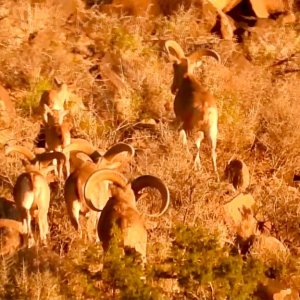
x: 12, y: 224
x: 90, y: 187
x: 195, y: 56
x: 154, y: 182
x: 21, y: 149
x: 87, y: 148
x: 116, y: 155
x: 112, y: 154
x: 173, y: 46
x: 81, y: 147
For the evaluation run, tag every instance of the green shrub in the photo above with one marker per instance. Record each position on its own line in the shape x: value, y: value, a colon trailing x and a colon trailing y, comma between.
x: 31, y: 100
x: 201, y: 262
x: 123, y: 40
x: 123, y: 271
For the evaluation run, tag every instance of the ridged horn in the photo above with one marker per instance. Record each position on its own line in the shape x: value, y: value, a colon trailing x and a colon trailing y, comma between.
x: 17, y: 225
x: 112, y: 154
x: 21, y: 149
x: 81, y: 147
x: 173, y: 46
x: 153, y: 182
x: 99, y: 176
x: 195, y: 56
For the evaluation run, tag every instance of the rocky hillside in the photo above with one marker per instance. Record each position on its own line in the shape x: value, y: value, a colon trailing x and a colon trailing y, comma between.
x: 118, y: 71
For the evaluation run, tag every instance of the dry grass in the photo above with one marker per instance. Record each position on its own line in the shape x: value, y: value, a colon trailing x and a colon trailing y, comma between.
x: 258, y: 105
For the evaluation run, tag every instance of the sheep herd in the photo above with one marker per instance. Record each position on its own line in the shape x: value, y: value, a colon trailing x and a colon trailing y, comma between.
x: 86, y: 173
x: 94, y: 180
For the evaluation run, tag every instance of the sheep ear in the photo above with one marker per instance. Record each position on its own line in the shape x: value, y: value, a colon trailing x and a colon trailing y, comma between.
x: 57, y: 82
x: 47, y: 110
x: 231, y: 158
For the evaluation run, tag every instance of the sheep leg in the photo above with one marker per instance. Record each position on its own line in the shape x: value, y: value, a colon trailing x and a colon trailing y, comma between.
x: 56, y: 172
x: 96, y: 226
x: 44, y: 228
x: 183, y: 138
x: 60, y: 169
x: 28, y: 226
x: 92, y: 222
x: 68, y: 164
x: 197, y: 162
x: 213, y: 142
x: 74, y: 216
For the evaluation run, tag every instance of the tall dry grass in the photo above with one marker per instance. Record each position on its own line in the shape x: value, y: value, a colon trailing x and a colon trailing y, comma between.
x: 259, y: 123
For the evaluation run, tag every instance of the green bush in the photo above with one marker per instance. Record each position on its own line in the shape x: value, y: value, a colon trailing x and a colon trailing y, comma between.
x: 123, y: 270
x: 31, y: 100
x: 204, y: 267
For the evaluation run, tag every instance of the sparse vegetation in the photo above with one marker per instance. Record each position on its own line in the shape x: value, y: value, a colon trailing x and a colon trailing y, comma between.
x: 259, y: 123
x: 32, y: 99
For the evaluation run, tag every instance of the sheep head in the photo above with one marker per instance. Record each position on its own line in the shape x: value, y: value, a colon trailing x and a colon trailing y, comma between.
x: 184, y: 65
x: 129, y: 193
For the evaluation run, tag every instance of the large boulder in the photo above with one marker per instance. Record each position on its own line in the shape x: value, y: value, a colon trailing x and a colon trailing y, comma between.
x: 240, y: 216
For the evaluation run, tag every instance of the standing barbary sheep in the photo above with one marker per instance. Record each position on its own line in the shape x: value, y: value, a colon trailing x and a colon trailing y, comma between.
x: 194, y: 106
x: 57, y: 133
x: 32, y: 196
x: 54, y: 100
x: 39, y: 160
x: 75, y: 184
x: 237, y: 173
x: 121, y: 210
